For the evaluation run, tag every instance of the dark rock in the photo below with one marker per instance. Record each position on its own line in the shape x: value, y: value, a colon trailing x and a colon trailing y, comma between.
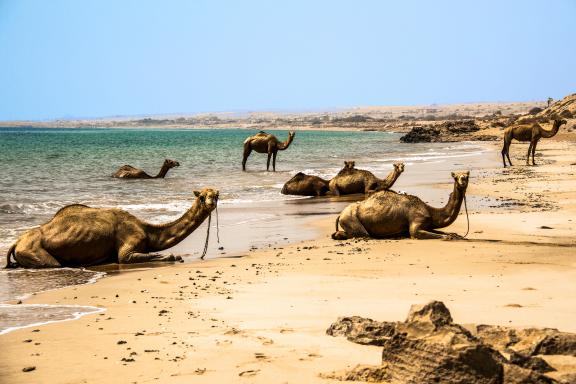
x: 530, y: 362
x: 429, y: 348
x: 559, y: 343
x: 434, y: 312
x: 514, y: 374
x: 446, y: 132
x: 436, y: 359
x: 361, y: 330
x: 28, y: 369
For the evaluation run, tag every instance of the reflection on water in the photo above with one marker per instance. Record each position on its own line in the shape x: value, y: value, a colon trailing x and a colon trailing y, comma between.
x: 11, y: 316
x: 19, y: 283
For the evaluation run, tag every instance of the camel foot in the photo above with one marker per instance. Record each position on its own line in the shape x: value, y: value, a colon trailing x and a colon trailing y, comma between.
x: 454, y: 236
x: 175, y: 258
x: 340, y: 235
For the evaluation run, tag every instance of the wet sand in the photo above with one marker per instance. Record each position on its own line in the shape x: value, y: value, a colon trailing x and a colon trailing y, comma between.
x: 261, y: 318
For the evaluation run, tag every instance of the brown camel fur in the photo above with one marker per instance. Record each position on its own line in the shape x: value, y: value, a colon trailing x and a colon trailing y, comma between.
x: 79, y: 235
x: 528, y: 132
x: 351, y: 180
x: 389, y: 214
x: 263, y: 142
x: 129, y: 172
x: 305, y: 185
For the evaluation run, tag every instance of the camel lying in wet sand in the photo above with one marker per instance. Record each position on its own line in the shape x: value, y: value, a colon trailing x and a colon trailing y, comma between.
x: 351, y: 180
x: 263, y: 142
x: 528, y: 132
x: 305, y: 185
x: 388, y: 214
x: 129, y: 172
x: 79, y: 235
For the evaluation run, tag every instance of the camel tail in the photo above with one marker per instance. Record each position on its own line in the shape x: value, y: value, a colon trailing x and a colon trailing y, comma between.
x: 10, y: 253
x: 337, y: 222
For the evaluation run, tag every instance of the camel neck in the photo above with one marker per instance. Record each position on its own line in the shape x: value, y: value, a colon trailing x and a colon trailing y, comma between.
x: 286, y: 144
x: 164, y: 236
x: 552, y: 132
x: 443, y: 217
x: 391, y: 178
x: 163, y: 172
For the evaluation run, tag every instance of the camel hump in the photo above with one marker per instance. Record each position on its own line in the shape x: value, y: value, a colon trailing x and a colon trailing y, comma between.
x: 126, y: 167
x: 71, y: 207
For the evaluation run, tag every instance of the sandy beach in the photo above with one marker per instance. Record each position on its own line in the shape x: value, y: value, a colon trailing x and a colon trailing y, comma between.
x: 261, y: 316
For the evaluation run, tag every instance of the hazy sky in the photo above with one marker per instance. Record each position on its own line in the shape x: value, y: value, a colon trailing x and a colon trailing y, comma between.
x: 101, y: 58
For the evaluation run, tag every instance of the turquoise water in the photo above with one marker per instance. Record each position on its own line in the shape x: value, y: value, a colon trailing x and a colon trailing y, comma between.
x: 45, y: 169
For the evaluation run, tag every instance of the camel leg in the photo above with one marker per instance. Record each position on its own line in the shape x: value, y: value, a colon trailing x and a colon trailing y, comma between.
x: 416, y: 232
x: 508, y: 156
x: 505, y: 153
x: 528, y: 154
x: 30, y: 254
x: 247, y: 151
x: 268, y: 161
x: 533, y: 152
x: 351, y: 226
x: 274, y: 160
x: 334, y: 190
x: 137, y: 257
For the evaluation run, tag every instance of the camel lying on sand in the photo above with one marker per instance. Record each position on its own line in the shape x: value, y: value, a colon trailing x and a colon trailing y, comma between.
x: 305, y: 185
x: 263, y: 142
x: 528, y: 132
x: 387, y: 214
x: 129, y: 172
x: 351, y: 180
x: 79, y: 235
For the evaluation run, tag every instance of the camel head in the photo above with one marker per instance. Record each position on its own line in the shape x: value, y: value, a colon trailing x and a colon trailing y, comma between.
x: 349, y: 164
x: 399, y: 167
x: 559, y: 122
x: 461, y: 179
x: 291, y: 134
x: 171, y: 163
x: 208, y: 198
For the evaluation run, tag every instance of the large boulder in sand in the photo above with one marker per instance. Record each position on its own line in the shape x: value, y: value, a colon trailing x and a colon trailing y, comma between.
x: 448, y: 131
x: 430, y: 348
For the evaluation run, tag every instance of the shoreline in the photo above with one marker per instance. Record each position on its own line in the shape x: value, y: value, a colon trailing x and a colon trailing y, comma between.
x: 498, y: 277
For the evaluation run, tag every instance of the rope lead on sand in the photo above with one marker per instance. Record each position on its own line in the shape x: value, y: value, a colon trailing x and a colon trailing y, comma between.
x: 208, y: 232
x: 467, y: 218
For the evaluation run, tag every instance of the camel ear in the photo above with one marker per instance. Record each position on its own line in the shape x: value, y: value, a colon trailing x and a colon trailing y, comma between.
x: 196, y: 193
x: 453, y: 174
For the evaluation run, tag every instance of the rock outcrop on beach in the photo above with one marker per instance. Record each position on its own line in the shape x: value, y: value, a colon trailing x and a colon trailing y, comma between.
x: 430, y: 348
x: 448, y: 131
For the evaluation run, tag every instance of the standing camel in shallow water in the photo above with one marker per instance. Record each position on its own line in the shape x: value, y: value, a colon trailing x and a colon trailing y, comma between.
x: 528, y: 132
x: 79, y: 235
x: 387, y: 214
x: 129, y: 172
x: 351, y: 180
x: 263, y: 142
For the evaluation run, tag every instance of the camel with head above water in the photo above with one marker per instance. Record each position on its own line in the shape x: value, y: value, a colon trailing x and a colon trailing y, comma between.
x: 351, y: 180
x: 263, y: 142
x: 79, y: 235
x: 129, y: 172
x: 528, y: 132
x: 388, y: 214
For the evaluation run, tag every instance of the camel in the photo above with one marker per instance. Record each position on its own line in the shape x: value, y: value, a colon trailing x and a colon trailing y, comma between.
x: 390, y: 214
x: 129, y: 172
x: 263, y: 142
x: 351, y: 180
x: 79, y: 235
x: 305, y: 185
x: 528, y: 132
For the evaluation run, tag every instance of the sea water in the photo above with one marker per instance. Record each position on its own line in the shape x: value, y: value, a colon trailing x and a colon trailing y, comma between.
x: 44, y: 169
